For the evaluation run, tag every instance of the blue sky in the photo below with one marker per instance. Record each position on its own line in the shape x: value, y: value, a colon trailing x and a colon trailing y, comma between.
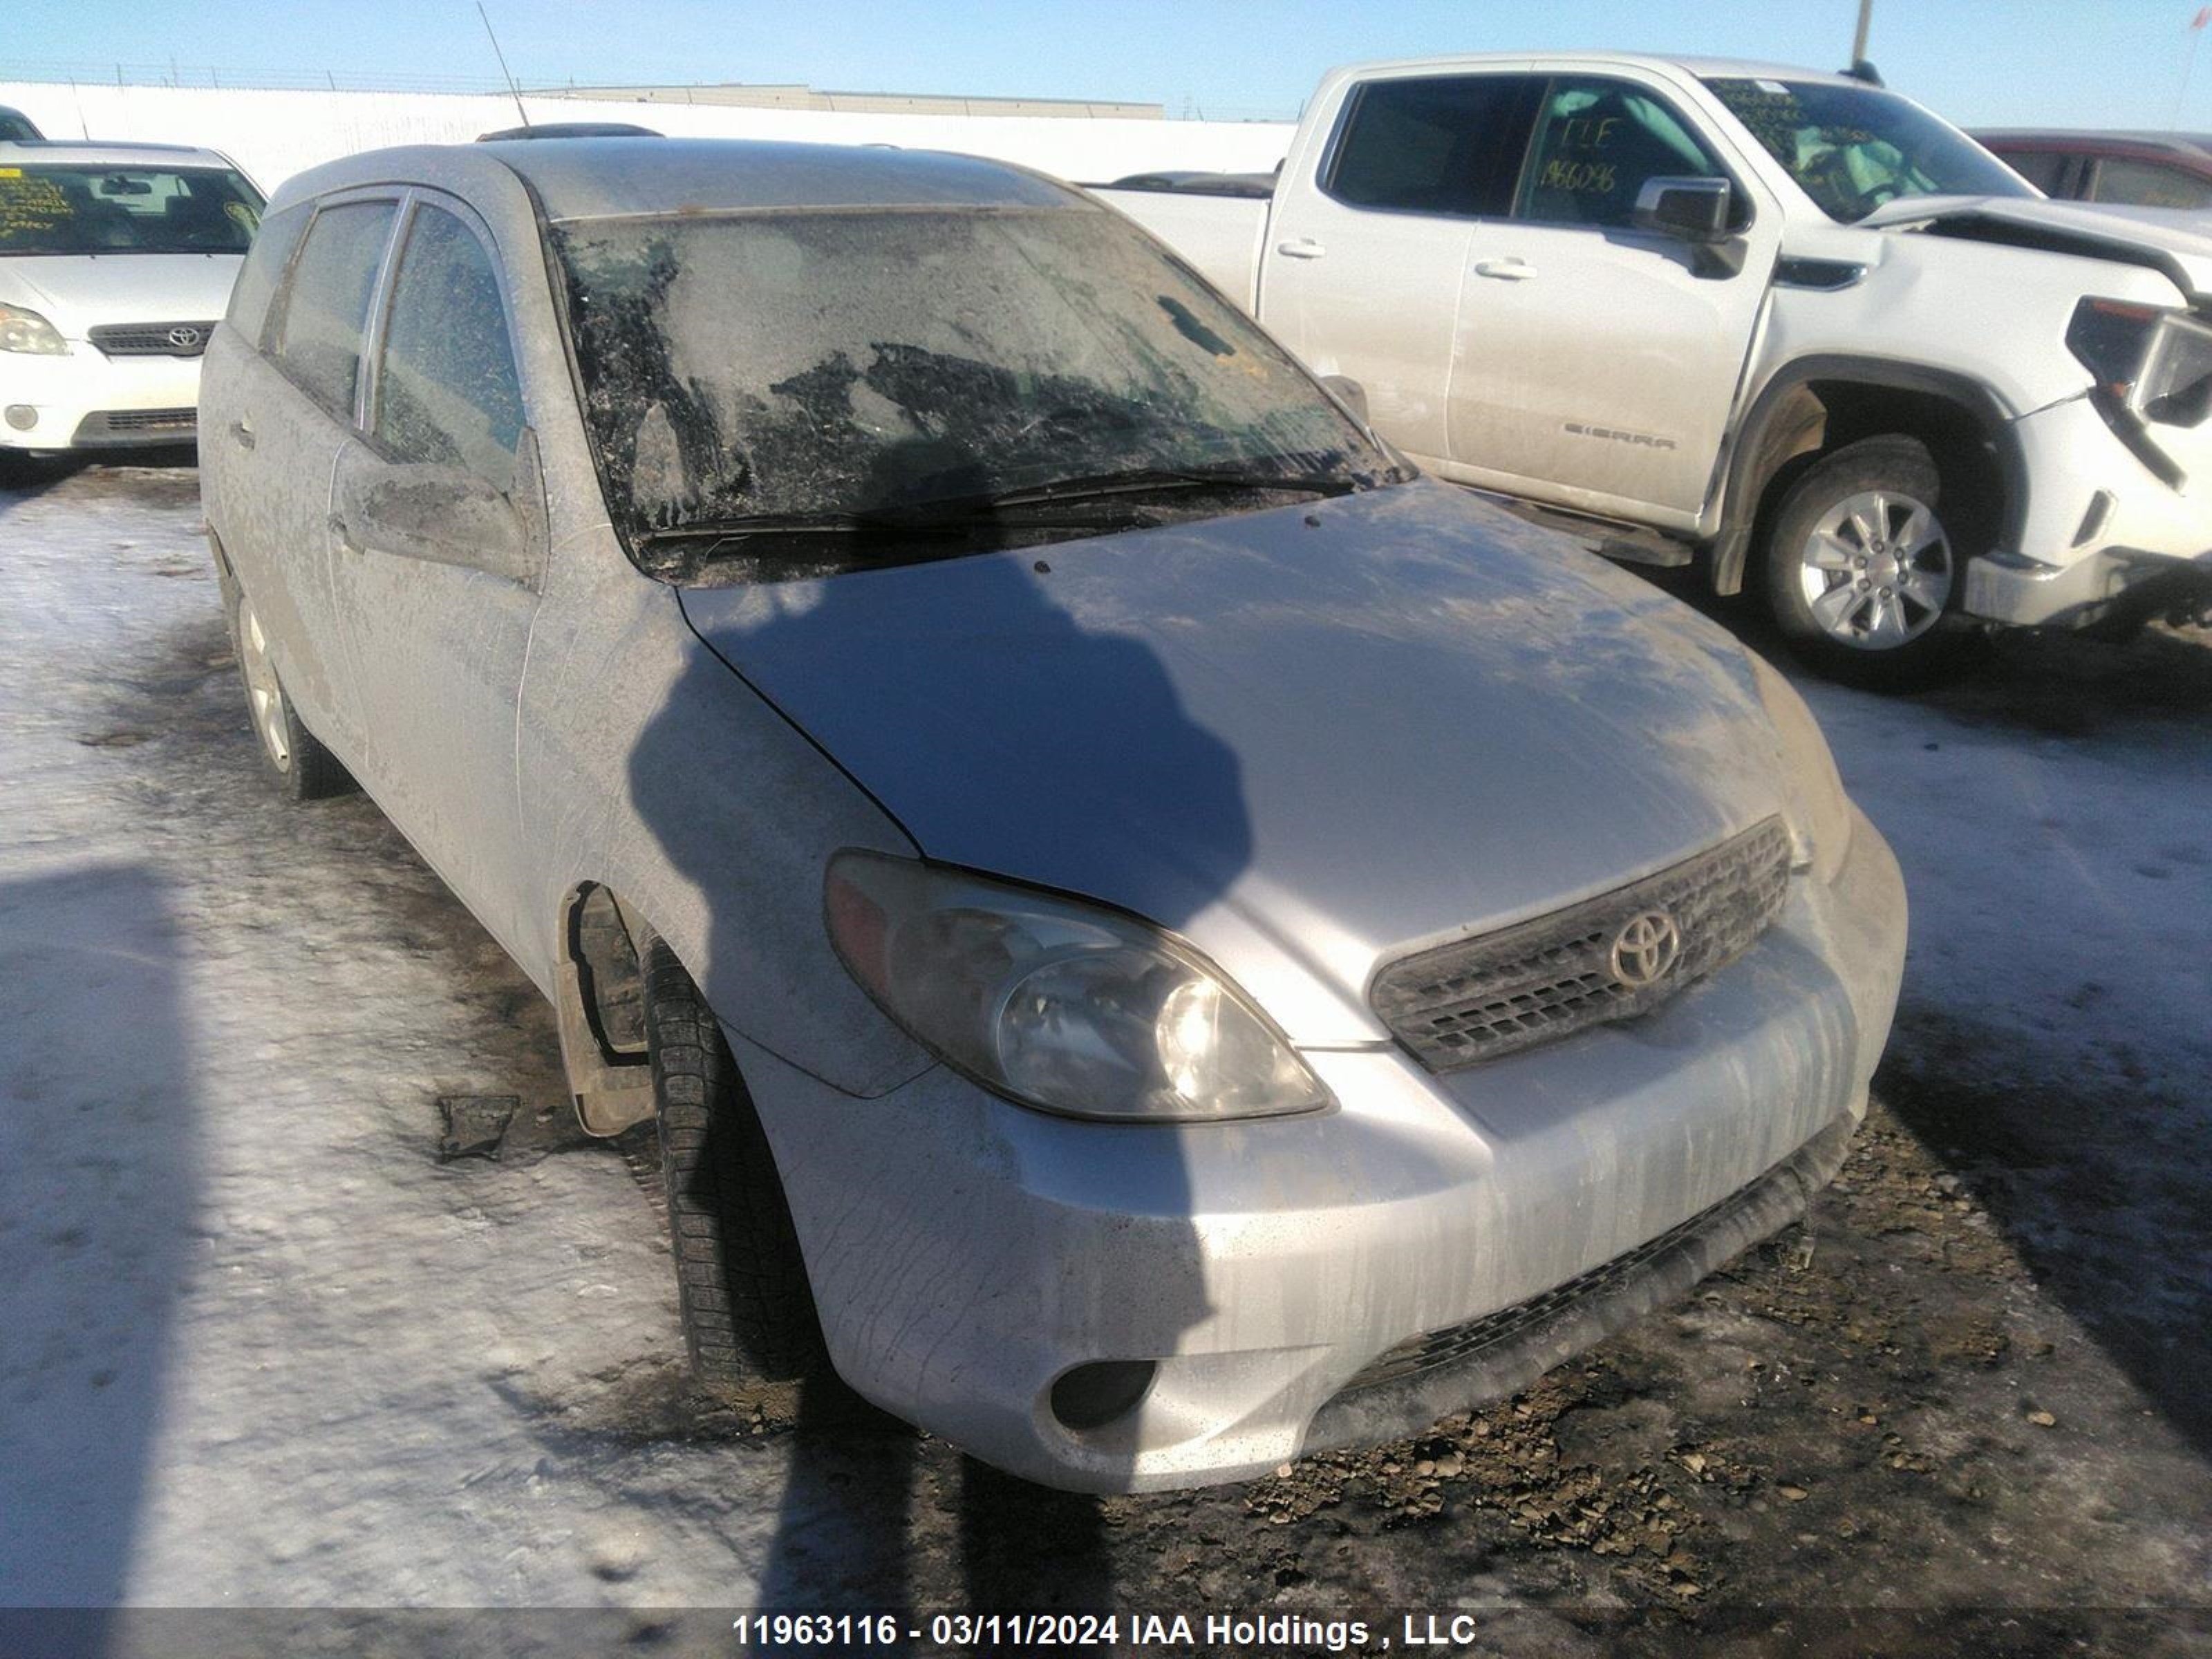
x: 2062, y: 61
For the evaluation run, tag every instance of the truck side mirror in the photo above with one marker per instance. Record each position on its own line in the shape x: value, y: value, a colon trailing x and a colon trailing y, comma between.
x: 1688, y: 209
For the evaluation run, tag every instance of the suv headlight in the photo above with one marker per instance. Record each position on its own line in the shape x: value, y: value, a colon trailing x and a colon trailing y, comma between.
x: 2156, y: 363
x: 25, y: 331
x: 1820, y: 813
x: 1056, y: 1004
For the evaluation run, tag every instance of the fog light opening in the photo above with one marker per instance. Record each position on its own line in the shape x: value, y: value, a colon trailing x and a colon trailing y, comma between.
x: 1091, y: 1396
x: 23, y: 417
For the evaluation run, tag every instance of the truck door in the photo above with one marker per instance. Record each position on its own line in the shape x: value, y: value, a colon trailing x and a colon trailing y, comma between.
x: 437, y: 543
x: 1603, y: 360
x: 1365, y: 261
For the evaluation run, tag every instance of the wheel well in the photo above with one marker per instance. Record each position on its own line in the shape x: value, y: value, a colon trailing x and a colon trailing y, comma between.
x: 1816, y: 417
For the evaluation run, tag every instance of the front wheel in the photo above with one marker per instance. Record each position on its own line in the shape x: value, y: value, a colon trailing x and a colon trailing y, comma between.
x: 1862, y: 575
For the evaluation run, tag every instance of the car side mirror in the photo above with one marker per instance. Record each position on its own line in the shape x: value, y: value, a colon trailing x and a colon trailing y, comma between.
x: 1349, y: 392
x: 444, y: 515
x: 1689, y: 209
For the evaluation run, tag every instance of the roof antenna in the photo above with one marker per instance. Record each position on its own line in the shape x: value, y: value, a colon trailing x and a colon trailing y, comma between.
x: 512, y: 89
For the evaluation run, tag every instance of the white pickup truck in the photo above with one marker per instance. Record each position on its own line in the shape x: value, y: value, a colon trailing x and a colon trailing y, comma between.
x: 1783, y: 319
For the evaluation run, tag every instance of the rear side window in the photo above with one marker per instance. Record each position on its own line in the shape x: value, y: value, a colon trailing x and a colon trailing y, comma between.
x: 2043, y: 168
x: 446, y: 390
x: 1449, y: 145
x: 2149, y: 184
x: 1598, y: 143
x: 265, y: 267
x: 327, y: 306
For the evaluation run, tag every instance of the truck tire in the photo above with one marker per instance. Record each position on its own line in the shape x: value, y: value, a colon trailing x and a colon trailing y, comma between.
x: 748, y: 1312
x: 303, y: 768
x: 1862, y: 576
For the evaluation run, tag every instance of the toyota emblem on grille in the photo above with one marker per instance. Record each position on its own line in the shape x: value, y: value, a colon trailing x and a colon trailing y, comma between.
x: 1646, y: 950
x: 183, y: 338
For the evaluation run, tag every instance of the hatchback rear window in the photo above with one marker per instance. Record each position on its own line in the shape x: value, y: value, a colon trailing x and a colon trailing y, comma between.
x: 85, y: 208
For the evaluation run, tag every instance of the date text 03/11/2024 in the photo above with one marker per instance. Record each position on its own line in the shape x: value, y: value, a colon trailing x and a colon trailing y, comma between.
x: 1078, y: 1632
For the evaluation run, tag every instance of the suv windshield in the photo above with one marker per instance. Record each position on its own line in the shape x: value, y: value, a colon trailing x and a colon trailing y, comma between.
x: 86, y: 208
x: 1852, y: 148
x: 777, y: 387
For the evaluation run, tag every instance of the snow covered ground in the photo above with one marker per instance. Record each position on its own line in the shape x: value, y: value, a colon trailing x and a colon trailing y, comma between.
x: 260, y: 1348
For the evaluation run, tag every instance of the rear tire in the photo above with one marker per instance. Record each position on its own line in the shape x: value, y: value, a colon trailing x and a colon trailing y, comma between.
x: 303, y: 768
x: 748, y: 1311
x: 1862, y: 576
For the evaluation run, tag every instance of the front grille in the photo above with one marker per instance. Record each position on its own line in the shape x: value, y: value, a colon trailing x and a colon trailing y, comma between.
x: 151, y: 339
x: 1493, y: 994
x: 1459, y: 1342
x: 120, y: 423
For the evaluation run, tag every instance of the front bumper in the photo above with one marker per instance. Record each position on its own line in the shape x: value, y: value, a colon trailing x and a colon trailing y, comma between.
x: 88, y: 400
x: 2102, y: 535
x: 966, y: 1254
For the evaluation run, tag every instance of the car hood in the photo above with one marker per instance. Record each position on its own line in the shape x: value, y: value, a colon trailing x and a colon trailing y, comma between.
x: 2182, y: 250
x: 1307, y: 740
x: 75, y: 292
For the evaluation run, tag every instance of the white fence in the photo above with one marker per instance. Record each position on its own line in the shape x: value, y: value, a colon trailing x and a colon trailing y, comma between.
x: 273, y: 135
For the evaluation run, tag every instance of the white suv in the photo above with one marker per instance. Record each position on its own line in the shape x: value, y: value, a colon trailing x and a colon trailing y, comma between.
x: 116, y: 261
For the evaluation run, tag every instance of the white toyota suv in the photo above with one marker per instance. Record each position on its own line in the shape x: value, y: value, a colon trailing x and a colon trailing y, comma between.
x: 116, y: 260
x: 1786, y: 321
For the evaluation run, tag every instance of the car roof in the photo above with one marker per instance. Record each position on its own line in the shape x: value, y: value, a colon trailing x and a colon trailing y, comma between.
x: 2196, y: 146
x: 99, y: 153
x: 1702, y: 68
x: 604, y: 178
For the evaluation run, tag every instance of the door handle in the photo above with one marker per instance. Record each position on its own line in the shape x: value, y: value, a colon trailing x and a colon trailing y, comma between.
x: 1506, y: 270
x: 243, y: 433
x: 1300, y: 247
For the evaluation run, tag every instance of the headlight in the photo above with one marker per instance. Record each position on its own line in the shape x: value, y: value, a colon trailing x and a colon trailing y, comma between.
x: 1820, y: 811
x: 1057, y: 1003
x: 2156, y: 363
x: 25, y: 331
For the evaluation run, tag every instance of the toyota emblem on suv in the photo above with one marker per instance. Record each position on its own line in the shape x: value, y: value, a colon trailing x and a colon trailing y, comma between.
x: 1646, y: 950
x: 183, y: 338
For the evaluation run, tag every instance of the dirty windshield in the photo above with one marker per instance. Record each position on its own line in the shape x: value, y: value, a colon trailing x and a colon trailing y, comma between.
x: 793, y: 392
x: 1851, y: 148
x: 85, y: 208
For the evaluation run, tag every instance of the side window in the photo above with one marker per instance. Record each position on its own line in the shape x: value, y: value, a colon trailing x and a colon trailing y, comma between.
x: 264, y: 265
x: 318, y: 336
x: 447, y: 390
x: 2043, y: 168
x: 1449, y: 145
x: 1597, y: 142
x: 2149, y: 184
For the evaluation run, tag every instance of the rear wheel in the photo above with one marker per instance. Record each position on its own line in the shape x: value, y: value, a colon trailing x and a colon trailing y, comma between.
x: 305, y: 769
x: 1862, y: 572
x: 748, y: 1312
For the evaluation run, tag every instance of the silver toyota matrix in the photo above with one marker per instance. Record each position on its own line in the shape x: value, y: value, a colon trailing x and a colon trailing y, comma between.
x: 1157, y: 938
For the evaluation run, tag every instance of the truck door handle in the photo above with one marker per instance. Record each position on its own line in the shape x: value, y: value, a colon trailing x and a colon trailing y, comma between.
x: 1506, y: 270
x: 1300, y: 247
x: 243, y: 433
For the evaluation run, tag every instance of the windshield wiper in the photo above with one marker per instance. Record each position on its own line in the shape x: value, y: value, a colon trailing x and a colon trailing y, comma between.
x: 1144, y: 479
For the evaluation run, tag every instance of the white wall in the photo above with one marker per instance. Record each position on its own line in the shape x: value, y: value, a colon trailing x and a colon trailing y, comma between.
x: 273, y: 135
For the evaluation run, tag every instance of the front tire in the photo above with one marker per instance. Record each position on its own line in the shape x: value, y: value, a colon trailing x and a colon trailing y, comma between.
x: 1862, y: 575
x: 748, y: 1312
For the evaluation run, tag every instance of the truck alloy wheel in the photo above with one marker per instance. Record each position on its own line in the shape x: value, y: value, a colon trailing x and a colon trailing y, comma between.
x: 1877, y: 569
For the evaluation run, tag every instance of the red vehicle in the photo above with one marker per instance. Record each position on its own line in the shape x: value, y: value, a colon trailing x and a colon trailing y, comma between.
x: 2133, y: 169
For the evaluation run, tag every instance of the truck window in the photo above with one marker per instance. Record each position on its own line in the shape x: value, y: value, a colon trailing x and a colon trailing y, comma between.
x: 326, y: 309
x: 1598, y: 142
x: 447, y: 390
x: 1449, y: 145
